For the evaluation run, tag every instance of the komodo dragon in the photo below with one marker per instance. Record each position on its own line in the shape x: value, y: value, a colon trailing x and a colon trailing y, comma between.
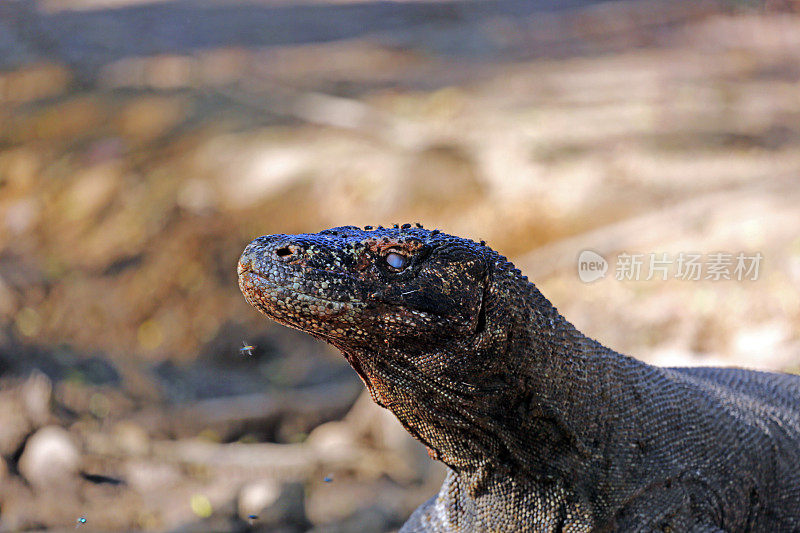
x: 542, y: 428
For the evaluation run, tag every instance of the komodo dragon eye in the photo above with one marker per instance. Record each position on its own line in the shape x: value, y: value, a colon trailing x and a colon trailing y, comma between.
x: 397, y: 261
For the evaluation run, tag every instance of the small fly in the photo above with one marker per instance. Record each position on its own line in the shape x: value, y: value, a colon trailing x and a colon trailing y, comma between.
x: 246, y: 349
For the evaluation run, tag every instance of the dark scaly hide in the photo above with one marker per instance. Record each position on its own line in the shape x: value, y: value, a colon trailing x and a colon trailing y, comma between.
x: 543, y: 428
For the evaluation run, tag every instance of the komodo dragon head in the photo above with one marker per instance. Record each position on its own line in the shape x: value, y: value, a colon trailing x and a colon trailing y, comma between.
x: 426, y: 319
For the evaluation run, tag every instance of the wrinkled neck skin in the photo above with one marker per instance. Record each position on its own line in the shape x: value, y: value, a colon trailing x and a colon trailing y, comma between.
x: 517, y: 401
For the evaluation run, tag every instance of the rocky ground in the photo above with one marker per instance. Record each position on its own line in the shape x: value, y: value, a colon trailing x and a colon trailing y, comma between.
x: 142, y: 145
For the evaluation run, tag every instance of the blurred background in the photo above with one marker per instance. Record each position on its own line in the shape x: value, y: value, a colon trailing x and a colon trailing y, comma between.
x: 144, y: 143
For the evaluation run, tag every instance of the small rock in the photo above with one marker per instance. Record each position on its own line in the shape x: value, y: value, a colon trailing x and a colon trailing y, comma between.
x: 50, y: 458
x: 147, y: 476
x: 148, y: 118
x: 334, y: 441
x: 14, y: 425
x: 36, y: 394
x: 275, y: 505
x: 131, y: 438
x: 255, y: 496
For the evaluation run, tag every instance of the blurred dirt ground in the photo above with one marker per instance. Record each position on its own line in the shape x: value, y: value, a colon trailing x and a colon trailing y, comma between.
x: 143, y: 144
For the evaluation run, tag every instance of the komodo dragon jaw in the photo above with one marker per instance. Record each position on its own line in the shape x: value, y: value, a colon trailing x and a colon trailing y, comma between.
x: 543, y: 428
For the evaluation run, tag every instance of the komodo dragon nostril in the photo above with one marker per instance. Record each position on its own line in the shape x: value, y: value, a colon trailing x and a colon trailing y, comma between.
x: 286, y: 251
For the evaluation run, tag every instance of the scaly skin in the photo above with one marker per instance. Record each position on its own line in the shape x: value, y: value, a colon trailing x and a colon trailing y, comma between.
x: 543, y: 429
